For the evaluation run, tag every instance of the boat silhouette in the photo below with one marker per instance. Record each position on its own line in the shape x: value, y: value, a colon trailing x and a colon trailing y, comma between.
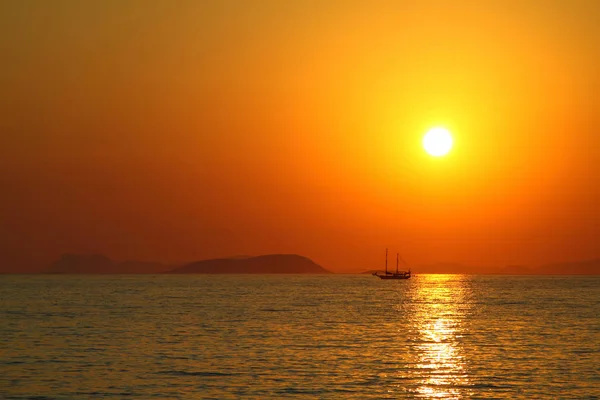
x: 393, y: 275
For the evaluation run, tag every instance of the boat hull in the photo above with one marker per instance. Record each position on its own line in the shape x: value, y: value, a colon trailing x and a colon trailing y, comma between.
x: 394, y: 276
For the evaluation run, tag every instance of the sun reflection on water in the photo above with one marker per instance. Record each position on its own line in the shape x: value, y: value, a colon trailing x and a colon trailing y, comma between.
x: 440, y: 306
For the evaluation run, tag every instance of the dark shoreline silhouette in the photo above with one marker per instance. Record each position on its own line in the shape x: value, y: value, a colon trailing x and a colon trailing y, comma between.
x: 265, y: 264
x: 286, y: 263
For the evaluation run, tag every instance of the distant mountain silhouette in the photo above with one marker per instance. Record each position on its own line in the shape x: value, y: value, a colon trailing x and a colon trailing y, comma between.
x: 100, y: 264
x: 516, y: 270
x: 589, y: 267
x: 267, y: 264
x: 291, y: 264
x: 447, y: 268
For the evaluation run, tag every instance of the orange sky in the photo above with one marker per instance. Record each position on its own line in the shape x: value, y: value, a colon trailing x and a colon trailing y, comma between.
x: 177, y: 131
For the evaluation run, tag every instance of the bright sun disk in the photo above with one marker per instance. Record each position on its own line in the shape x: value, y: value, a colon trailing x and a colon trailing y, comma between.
x: 437, y: 142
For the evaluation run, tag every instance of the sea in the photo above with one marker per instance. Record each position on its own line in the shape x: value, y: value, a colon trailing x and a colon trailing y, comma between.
x: 299, y: 337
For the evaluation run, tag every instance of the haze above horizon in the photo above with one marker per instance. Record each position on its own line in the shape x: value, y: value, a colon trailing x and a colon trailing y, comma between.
x: 178, y: 131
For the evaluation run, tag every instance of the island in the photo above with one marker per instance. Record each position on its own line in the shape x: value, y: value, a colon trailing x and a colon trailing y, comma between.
x: 266, y: 264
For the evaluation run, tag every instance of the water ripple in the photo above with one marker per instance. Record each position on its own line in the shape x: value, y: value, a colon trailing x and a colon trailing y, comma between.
x: 271, y: 337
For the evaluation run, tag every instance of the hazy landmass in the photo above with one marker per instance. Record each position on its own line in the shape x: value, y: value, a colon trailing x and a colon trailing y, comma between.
x: 101, y: 264
x: 447, y: 268
x: 290, y: 264
x: 516, y: 270
x: 267, y: 264
x: 587, y: 267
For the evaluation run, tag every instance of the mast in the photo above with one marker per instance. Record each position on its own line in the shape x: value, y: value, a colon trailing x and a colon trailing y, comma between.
x: 386, y: 261
x: 397, y: 255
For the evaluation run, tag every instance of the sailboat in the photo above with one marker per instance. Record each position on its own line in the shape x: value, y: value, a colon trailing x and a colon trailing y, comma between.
x: 393, y: 275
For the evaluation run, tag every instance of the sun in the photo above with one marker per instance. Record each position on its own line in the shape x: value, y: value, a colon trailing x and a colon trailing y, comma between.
x: 437, y: 142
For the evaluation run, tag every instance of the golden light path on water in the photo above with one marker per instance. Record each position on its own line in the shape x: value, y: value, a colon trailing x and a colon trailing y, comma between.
x: 438, y: 312
x: 302, y: 337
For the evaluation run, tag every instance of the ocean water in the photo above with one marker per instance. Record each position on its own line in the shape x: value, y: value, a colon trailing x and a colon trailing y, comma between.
x: 305, y: 337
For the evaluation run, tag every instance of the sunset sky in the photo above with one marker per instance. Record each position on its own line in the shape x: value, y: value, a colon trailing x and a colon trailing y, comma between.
x: 182, y: 130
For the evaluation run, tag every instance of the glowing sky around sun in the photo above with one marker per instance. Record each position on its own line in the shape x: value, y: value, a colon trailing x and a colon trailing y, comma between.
x: 184, y: 130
